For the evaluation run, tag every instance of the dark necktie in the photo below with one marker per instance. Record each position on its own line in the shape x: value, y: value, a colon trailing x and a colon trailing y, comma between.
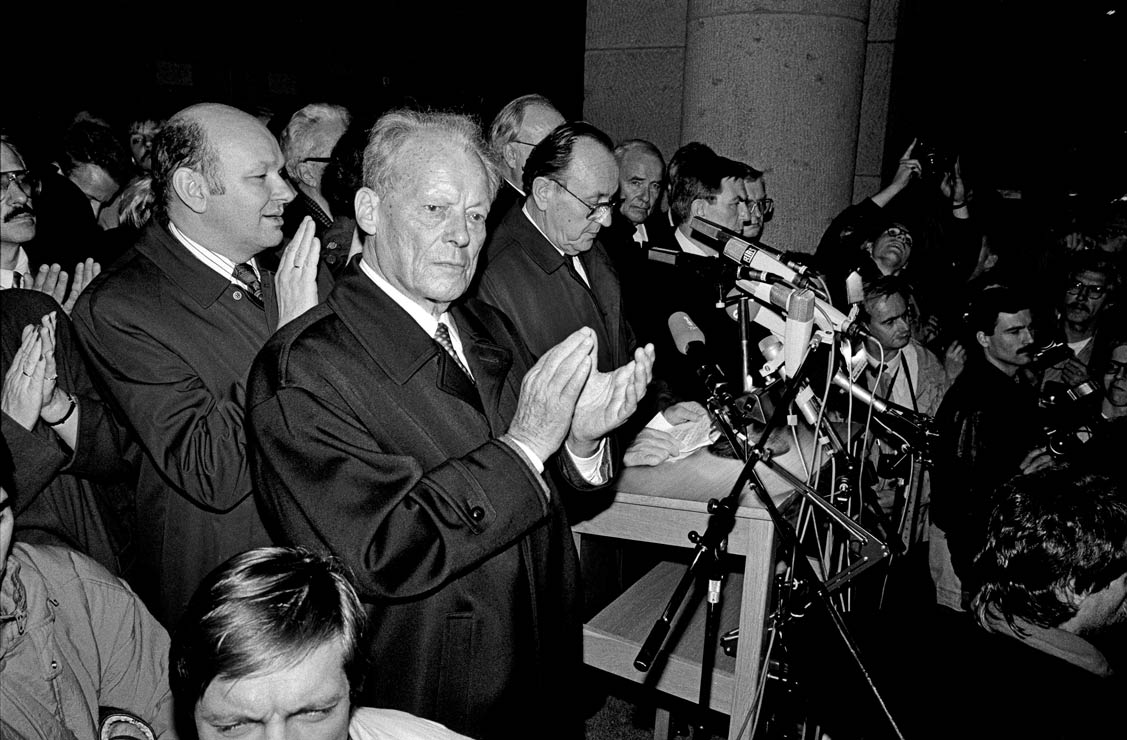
x: 244, y: 273
x: 442, y: 336
x: 882, y: 376
x: 17, y: 279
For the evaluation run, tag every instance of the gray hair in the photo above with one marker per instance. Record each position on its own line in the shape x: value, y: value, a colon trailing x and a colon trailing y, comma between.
x: 311, y: 130
x: 394, y: 129
x: 506, y: 124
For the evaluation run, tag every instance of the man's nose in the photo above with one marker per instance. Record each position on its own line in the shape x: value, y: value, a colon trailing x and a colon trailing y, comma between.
x: 283, y: 191
x: 458, y: 233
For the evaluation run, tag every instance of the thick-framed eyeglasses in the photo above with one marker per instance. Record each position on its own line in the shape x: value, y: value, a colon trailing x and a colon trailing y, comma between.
x: 26, y: 180
x: 1083, y: 290
x: 899, y: 233
x: 765, y: 206
x: 596, y: 212
x: 1115, y: 368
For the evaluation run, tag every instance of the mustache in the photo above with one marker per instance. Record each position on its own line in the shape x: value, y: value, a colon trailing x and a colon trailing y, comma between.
x: 18, y: 211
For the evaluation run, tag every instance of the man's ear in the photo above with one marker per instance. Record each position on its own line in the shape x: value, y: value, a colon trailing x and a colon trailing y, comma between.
x: 541, y: 192
x: 509, y: 154
x: 305, y: 175
x: 191, y: 189
x: 696, y: 208
x: 367, y: 207
x: 982, y: 339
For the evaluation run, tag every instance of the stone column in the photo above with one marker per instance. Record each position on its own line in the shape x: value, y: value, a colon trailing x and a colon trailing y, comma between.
x: 779, y: 86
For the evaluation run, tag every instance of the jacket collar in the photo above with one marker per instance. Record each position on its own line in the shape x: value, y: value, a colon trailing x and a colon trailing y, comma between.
x: 204, y: 285
x: 379, y: 322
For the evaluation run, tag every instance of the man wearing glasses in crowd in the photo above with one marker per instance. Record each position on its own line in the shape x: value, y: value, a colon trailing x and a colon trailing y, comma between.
x: 17, y: 188
x: 1091, y: 279
x: 544, y: 267
x: 516, y: 129
x: 760, y: 208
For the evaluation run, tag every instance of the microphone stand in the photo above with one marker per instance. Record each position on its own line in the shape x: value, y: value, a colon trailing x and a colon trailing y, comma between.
x: 872, y: 550
x: 706, y: 560
x: 710, y: 546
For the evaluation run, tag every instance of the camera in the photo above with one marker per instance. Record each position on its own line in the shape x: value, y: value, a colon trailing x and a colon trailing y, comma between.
x: 934, y: 160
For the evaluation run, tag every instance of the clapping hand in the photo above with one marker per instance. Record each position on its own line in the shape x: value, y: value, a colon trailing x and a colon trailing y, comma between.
x: 608, y: 400
x: 296, y: 279
x: 24, y: 391
x: 53, y: 280
x: 549, y: 393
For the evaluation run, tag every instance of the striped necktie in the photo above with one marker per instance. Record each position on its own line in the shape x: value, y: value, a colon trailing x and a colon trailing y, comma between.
x: 245, y: 274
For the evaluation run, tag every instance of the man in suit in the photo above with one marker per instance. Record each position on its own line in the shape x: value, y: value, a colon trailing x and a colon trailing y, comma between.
x: 516, y: 129
x: 407, y: 431
x: 544, y: 267
x: 171, y: 332
x: 638, y: 224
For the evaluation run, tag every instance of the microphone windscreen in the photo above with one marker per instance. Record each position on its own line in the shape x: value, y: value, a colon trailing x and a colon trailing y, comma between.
x: 684, y: 331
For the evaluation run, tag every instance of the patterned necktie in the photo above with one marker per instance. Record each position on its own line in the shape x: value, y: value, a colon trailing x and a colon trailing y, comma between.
x: 442, y: 336
x: 244, y: 273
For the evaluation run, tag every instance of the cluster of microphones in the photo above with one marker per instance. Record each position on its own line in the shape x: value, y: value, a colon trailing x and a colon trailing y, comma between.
x: 790, y: 304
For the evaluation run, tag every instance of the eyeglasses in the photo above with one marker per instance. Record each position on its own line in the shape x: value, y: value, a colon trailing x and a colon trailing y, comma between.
x: 596, y: 212
x: 1115, y: 368
x: 765, y: 206
x: 899, y: 233
x: 1083, y: 290
x: 25, y: 180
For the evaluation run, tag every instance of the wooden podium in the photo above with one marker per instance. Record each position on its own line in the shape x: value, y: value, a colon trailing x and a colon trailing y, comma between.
x: 662, y: 504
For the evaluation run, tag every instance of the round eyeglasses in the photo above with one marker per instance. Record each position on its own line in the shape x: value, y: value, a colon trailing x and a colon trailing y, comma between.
x: 596, y: 212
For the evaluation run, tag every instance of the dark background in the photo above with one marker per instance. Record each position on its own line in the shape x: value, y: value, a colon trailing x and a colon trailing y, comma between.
x: 1031, y: 93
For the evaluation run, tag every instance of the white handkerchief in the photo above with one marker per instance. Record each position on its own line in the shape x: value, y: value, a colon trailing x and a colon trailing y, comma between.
x: 691, y: 434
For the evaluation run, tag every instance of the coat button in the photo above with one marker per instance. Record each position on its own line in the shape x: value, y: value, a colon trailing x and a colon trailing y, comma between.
x: 477, y: 513
x: 237, y: 295
x: 54, y: 665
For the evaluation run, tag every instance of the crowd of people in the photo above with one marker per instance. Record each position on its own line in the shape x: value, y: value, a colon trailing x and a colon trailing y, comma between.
x: 295, y: 424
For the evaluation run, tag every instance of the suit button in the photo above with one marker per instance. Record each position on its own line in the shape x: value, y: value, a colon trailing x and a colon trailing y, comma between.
x: 477, y: 513
x: 237, y: 295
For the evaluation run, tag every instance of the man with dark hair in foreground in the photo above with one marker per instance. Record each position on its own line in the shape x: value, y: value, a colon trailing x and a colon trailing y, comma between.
x: 271, y: 646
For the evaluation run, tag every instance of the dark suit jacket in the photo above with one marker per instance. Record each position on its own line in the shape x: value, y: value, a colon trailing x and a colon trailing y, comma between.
x: 172, y: 342
x: 61, y: 496
x: 537, y: 288
x: 369, y: 442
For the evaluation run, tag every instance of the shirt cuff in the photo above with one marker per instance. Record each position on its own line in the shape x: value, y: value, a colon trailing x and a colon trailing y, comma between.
x: 537, y: 463
x: 591, y: 468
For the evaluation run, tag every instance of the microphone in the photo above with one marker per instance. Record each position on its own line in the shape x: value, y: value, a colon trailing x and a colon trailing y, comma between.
x: 757, y: 312
x: 797, y: 331
x: 825, y: 315
x: 755, y: 255
x: 904, y: 422
x: 689, y: 340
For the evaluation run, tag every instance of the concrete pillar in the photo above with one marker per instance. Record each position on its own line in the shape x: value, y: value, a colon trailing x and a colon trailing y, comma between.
x: 779, y: 85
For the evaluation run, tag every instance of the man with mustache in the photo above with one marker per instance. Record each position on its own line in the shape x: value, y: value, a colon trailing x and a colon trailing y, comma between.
x: 1087, y: 292
x: 18, y: 187
x: 172, y: 328
x: 990, y: 430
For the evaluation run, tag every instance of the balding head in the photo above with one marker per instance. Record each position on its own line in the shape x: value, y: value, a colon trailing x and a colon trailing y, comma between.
x: 218, y: 177
x: 518, y: 127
